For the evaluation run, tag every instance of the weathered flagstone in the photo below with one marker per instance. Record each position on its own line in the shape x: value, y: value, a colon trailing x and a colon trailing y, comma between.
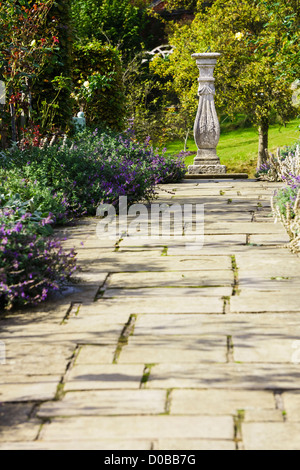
x: 15, y: 423
x: 92, y: 278
x: 96, y: 354
x: 91, y: 444
x: 271, y: 436
x: 265, y: 302
x: 264, y: 416
x: 168, y: 279
x: 249, y: 228
x: 279, y: 238
x: 172, y: 304
x: 233, y: 376
x: 217, y: 292
x: 220, y: 402
x: 264, y: 348
x: 106, y: 403
x: 139, y: 427
x: 136, y: 262
x: 291, y: 405
x: 175, y: 349
x: 271, y: 266
x: 193, y: 444
x: 275, y: 326
x: 100, y: 377
x: 19, y: 388
x: 32, y: 358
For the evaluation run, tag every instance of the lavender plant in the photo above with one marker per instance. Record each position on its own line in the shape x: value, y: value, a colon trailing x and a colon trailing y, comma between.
x: 31, y: 265
x: 280, y: 167
x: 286, y: 208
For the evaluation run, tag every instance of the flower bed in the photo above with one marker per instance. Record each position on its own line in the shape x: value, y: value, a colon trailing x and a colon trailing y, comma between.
x: 286, y: 208
x: 282, y: 166
x: 31, y: 263
x: 45, y: 186
x: 286, y: 201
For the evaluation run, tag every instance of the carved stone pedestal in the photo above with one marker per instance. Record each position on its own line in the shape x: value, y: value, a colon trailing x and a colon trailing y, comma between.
x: 207, y: 127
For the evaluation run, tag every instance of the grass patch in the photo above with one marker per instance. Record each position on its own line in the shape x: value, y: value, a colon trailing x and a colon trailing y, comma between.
x: 238, y: 148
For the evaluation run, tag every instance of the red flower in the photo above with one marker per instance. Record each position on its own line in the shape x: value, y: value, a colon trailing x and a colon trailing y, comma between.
x: 55, y: 40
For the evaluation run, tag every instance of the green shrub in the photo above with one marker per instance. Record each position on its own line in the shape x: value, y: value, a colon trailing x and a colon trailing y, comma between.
x: 31, y: 265
x: 51, y: 92
x: 99, y: 89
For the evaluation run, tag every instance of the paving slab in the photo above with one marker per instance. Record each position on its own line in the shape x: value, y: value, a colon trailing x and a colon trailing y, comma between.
x: 96, y: 354
x: 137, y: 262
x: 291, y: 405
x: 248, y: 228
x: 215, y: 292
x: 15, y: 423
x: 264, y: 348
x: 93, y: 329
x: 171, y: 279
x: 220, y: 402
x: 265, y: 302
x: 172, y: 304
x: 271, y: 436
x: 193, y: 444
x: 231, y: 376
x: 279, y: 238
x: 32, y: 358
x: 141, y: 427
x: 104, y: 377
x: 248, y: 326
x: 283, y: 265
x: 264, y: 416
x: 175, y: 349
x: 91, y: 444
x: 106, y: 403
x: 29, y: 388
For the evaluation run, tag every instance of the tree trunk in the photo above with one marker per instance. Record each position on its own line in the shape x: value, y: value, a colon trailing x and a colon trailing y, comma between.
x: 263, y: 142
x: 186, y: 140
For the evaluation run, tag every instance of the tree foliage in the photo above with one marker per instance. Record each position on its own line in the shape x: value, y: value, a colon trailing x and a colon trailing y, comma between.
x: 258, y: 41
x: 118, y: 22
x: 98, y: 85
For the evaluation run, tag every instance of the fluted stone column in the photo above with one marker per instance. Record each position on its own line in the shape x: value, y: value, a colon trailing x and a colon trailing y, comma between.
x: 207, y: 127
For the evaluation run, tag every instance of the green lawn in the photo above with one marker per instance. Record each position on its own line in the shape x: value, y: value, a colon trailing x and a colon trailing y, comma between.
x: 237, y: 149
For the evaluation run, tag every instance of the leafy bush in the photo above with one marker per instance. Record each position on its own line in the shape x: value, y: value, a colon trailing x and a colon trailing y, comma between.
x: 285, y: 198
x: 285, y: 165
x: 286, y: 208
x: 99, y: 89
x: 98, y: 167
x: 51, y: 91
x: 31, y: 264
x: 43, y: 186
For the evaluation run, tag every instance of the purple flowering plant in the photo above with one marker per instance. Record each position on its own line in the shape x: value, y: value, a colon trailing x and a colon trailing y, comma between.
x: 31, y: 265
x: 287, y: 195
x: 40, y: 187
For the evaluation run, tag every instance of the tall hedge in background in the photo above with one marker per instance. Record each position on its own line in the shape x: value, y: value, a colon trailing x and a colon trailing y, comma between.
x: 51, y: 94
x: 98, y: 85
x: 120, y: 23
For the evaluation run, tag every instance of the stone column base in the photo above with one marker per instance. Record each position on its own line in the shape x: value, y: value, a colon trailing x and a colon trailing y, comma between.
x: 207, y: 169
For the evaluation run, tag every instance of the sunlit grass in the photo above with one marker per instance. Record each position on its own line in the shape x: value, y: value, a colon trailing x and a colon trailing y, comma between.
x: 238, y: 149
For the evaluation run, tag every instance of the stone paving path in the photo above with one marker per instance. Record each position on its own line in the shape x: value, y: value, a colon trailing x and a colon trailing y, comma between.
x: 162, y: 348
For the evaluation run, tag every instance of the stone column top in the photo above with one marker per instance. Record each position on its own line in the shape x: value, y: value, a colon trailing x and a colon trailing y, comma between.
x: 206, y: 55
